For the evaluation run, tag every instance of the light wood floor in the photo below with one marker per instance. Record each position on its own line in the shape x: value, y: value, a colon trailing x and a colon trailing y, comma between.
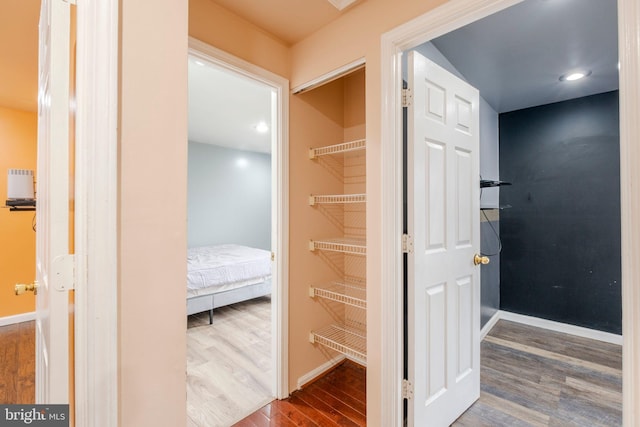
x: 535, y: 377
x: 228, y: 363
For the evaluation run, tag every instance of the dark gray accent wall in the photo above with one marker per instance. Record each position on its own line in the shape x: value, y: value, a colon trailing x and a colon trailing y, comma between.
x: 489, y: 273
x: 561, y: 237
x: 228, y: 197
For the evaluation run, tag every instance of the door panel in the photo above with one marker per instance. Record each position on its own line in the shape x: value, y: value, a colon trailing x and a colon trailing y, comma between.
x: 52, y: 213
x: 436, y: 210
x: 443, y: 217
x: 436, y: 340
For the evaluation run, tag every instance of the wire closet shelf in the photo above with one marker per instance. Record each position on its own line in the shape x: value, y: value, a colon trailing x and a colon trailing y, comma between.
x: 344, y: 147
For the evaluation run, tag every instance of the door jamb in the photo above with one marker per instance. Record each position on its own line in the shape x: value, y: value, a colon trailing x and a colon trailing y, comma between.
x: 446, y: 18
x: 280, y: 308
x: 96, y: 214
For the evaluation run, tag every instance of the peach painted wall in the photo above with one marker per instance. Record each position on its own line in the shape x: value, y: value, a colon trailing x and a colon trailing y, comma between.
x: 152, y: 212
x: 354, y: 35
x: 18, y: 143
x: 220, y: 28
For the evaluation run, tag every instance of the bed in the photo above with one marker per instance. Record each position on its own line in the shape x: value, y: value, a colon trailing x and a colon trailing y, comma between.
x: 225, y: 274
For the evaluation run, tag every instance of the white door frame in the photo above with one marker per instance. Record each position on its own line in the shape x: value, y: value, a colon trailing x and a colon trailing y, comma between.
x: 280, y: 164
x: 96, y: 213
x: 448, y: 17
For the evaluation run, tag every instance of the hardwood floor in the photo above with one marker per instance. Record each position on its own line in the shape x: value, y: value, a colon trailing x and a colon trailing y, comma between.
x: 529, y: 377
x: 229, y: 363
x: 17, y: 363
x: 336, y: 399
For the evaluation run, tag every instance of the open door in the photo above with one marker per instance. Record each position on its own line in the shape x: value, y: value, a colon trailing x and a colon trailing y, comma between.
x: 444, y: 223
x: 53, y: 267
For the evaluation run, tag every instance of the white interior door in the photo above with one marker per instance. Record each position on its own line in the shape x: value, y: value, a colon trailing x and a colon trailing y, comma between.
x: 52, y: 213
x: 443, y: 219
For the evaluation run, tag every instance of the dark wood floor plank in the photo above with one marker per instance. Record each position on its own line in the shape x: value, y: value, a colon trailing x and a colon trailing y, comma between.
x: 326, y: 410
x: 337, y: 399
x: 356, y: 402
x: 357, y: 391
x: 280, y: 420
x: 358, y: 396
x: 294, y: 414
x: 310, y: 412
x: 17, y: 363
x: 337, y: 404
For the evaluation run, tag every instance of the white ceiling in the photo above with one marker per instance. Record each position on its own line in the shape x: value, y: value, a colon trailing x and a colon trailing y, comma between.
x: 224, y: 108
x: 515, y: 57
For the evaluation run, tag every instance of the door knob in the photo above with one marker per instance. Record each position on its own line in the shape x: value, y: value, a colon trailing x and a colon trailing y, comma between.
x: 479, y: 259
x: 22, y: 288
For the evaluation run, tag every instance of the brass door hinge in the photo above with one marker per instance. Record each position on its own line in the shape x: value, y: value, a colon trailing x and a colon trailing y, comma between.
x: 407, y: 97
x: 407, y: 244
x: 407, y: 389
x: 64, y: 272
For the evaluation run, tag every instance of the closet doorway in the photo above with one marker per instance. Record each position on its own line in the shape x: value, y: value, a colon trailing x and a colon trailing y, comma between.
x: 236, y: 282
x: 583, y: 128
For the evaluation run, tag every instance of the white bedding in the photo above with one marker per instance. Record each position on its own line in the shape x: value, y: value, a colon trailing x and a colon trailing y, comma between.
x: 225, y: 287
x: 209, y: 266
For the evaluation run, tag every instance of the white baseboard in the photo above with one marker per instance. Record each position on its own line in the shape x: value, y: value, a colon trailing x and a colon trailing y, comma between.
x: 17, y: 318
x: 489, y: 325
x: 311, y: 375
x: 560, y: 327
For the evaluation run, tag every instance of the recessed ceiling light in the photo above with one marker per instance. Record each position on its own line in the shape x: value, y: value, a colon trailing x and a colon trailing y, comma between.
x: 262, y: 127
x: 574, y: 75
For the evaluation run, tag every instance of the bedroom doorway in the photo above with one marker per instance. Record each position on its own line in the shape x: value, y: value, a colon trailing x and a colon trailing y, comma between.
x: 236, y: 283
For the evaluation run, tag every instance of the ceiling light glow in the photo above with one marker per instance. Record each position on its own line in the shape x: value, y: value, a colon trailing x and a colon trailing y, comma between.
x: 573, y: 76
x: 262, y: 127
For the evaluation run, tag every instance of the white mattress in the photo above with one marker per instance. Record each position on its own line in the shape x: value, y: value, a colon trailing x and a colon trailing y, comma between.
x: 225, y: 287
x: 209, y: 266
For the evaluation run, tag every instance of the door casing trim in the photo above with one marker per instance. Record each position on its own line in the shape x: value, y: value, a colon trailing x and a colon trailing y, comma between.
x: 280, y: 165
x: 96, y: 214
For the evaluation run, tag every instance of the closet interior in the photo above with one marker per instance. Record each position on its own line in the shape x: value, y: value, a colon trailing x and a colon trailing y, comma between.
x: 336, y: 226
